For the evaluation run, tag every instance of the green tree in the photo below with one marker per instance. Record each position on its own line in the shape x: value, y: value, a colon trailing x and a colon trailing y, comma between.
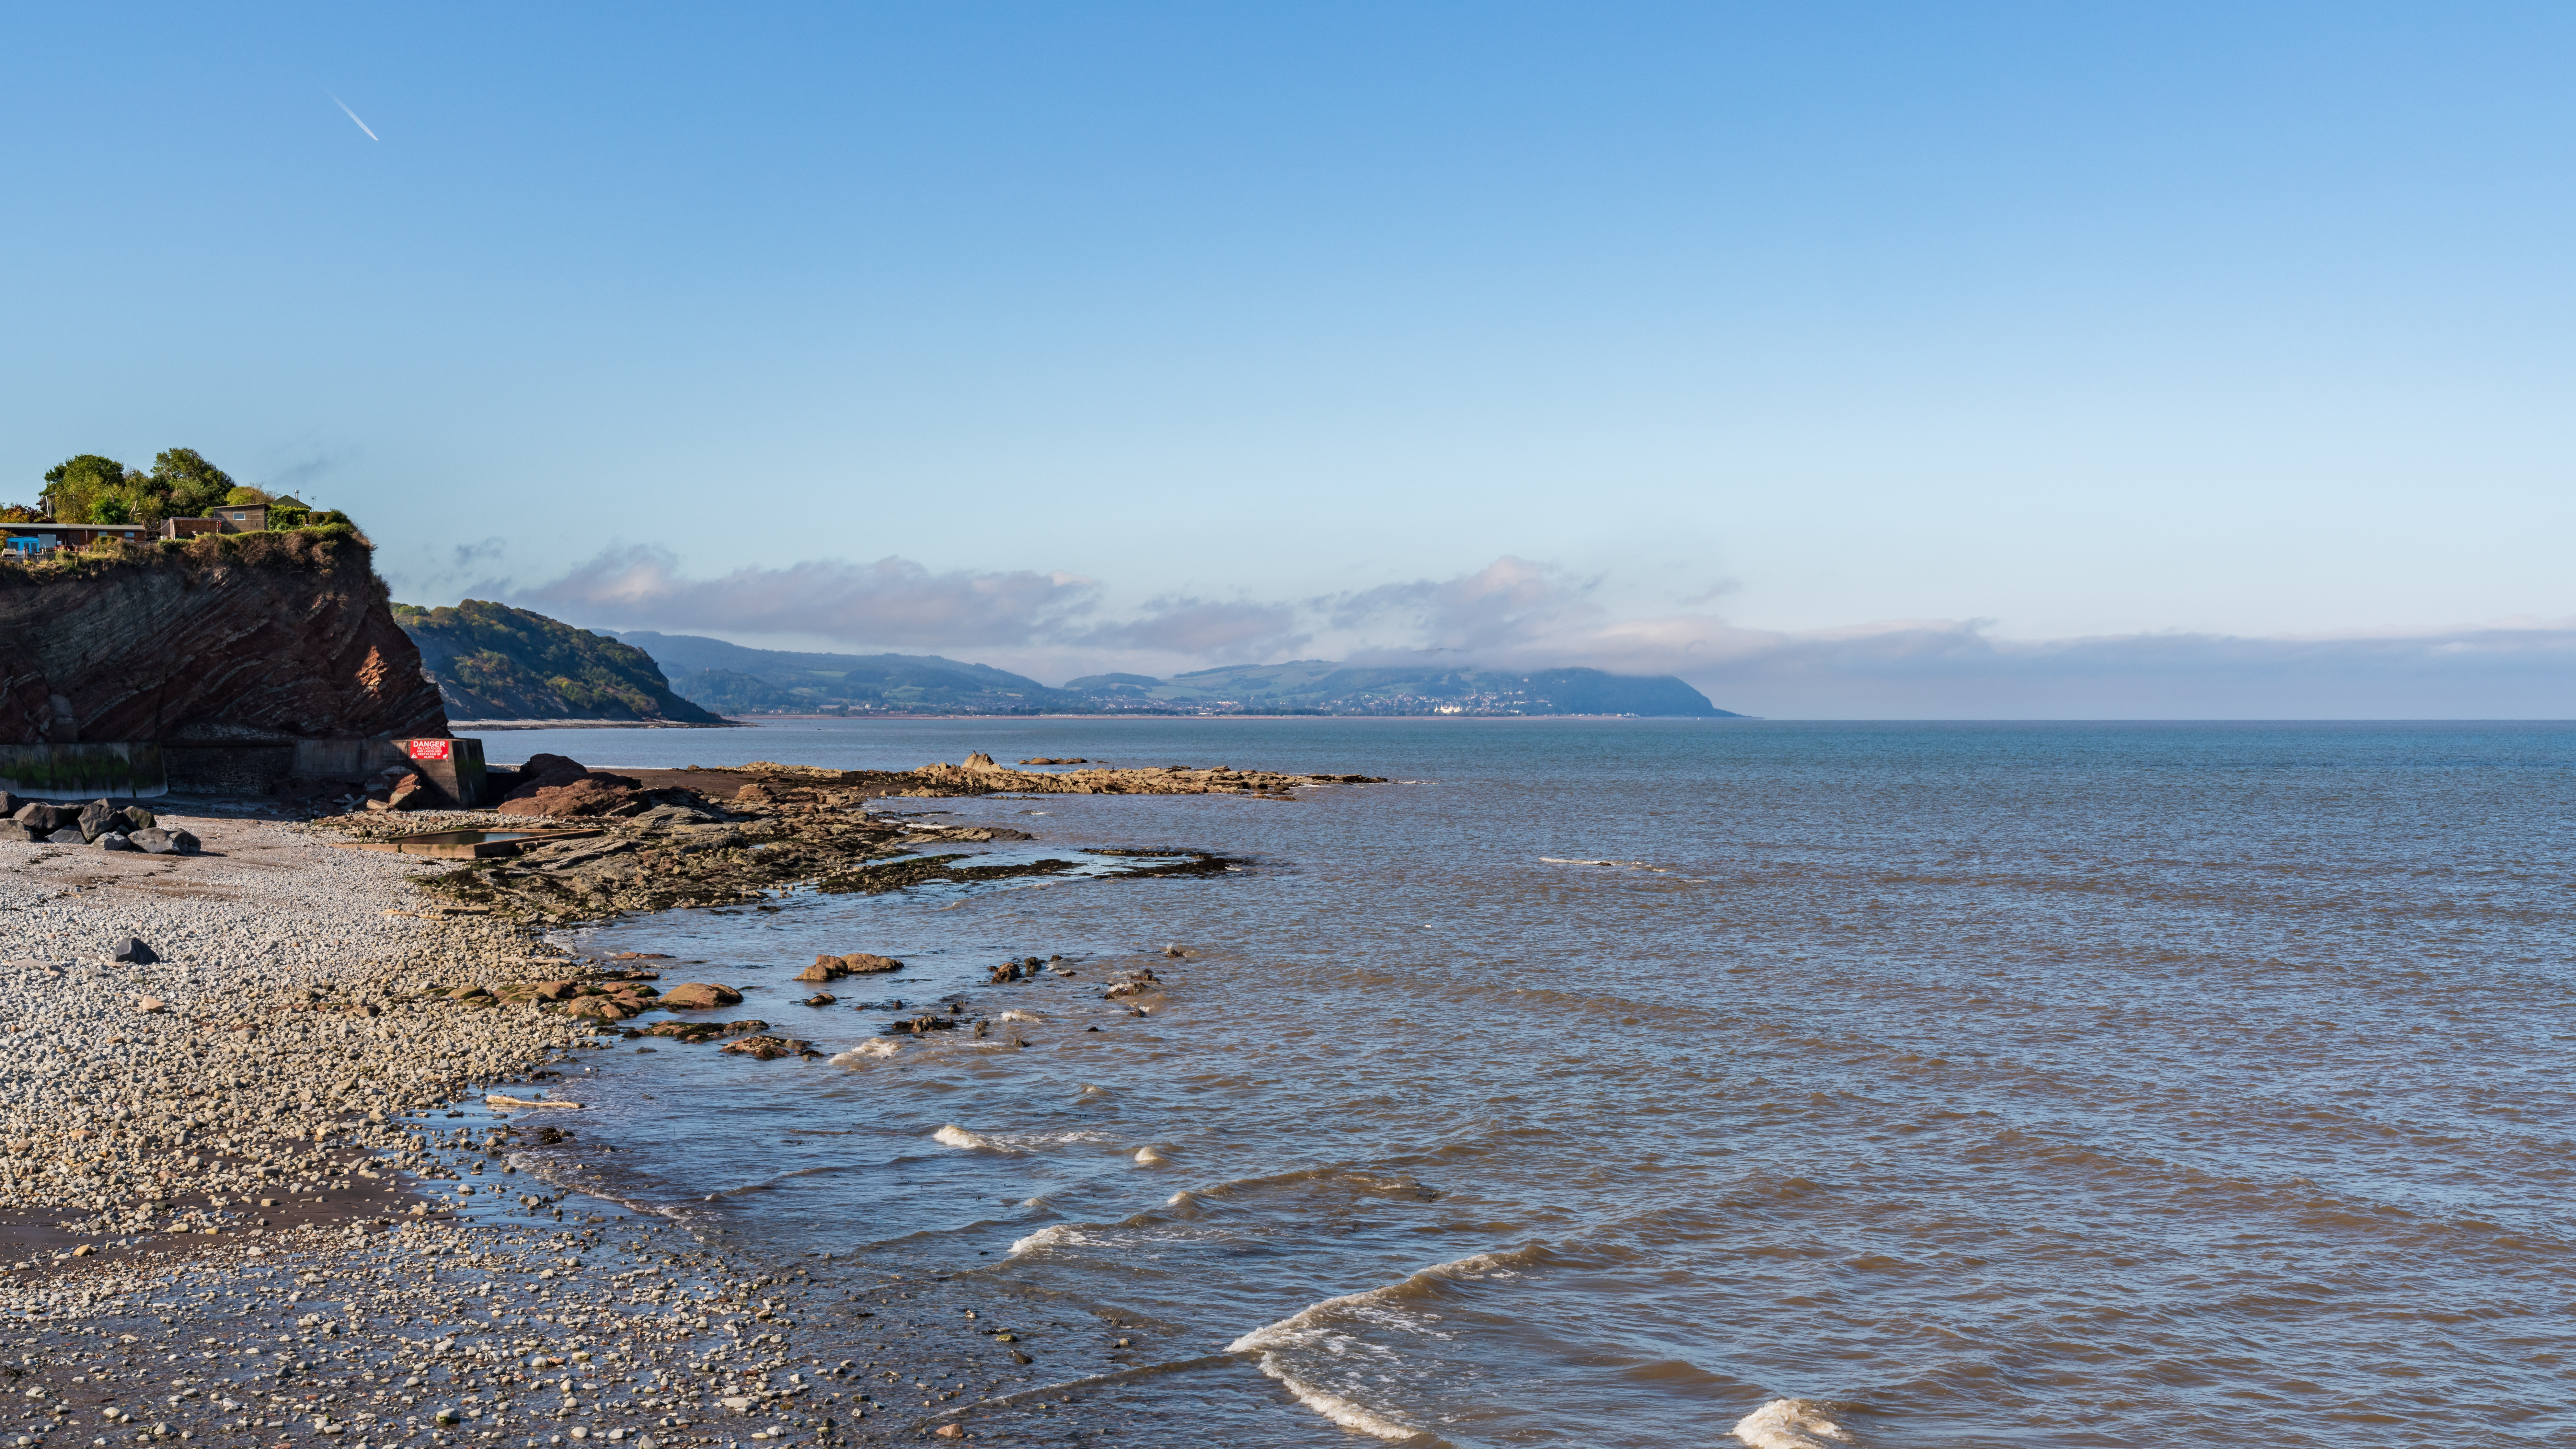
x: 190, y: 485
x: 74, y: 485
x: 245, y: 494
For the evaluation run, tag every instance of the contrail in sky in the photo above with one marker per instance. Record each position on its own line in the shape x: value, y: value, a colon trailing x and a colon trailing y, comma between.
x: 352, y: 115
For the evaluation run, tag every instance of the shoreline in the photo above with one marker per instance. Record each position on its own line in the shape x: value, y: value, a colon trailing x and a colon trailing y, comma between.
x: 243, y: 1214
x: 235, y: 1200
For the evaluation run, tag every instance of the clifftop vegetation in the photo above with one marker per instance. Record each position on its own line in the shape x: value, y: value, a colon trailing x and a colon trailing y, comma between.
x: 313, y: 547
x: 91, y: 488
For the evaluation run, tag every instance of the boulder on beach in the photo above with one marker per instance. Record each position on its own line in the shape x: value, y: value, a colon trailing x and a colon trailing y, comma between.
x: 132, y: 949
x: 114, y: 841
x: 155, y: 841
x: 699, y: 996
x: 857, y: 963
x: 555, y: 785
x: 68, y: 835
x: 767, y: 1048
x: 606, y: 1008
x: 40, y: 817
x: 698, y: 1031
x: 96, y: 818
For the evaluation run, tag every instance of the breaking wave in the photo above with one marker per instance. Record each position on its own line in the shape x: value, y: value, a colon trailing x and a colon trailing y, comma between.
x: 953, y: 1135
x: 1792, y: 1424
x: 1322, y: 1326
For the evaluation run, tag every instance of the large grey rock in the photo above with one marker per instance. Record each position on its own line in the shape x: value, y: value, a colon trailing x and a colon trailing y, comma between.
x: 40, y: 817
x: 96, y: 819
x: 136, y: 818
x: 68, y: 835
x: 132, y: 949
x: 14, y: 833
x: 9, y: 803
x: 155, y: 841
x: 187, y: 843
x: 114, y: 840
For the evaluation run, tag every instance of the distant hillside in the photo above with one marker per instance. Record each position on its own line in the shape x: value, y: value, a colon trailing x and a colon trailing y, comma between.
x: 491, y: 661
x: 1324, y: 687
x: 740, y: 680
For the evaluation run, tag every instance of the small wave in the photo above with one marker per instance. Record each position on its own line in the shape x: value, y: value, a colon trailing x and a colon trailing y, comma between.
x: 1148, y: 1157
x: 869, y: 1051
x: 1336, y: 1408
x: 1030, y: 1017
x: 1631, y: 864
x: 1397, y: 1184
x: 1062, y: 1235
x: 1306, y: 1324
x: 953, y: 1135
x: 1791, y: 1424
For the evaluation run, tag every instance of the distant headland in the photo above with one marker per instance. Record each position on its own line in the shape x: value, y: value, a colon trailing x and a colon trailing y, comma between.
x: 494, y: 662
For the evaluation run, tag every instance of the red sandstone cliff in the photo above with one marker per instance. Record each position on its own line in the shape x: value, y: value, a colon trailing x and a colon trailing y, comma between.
x: 231, y: 637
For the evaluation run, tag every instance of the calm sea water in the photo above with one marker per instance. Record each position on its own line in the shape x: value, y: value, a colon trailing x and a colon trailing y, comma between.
x: 1951, y: 1084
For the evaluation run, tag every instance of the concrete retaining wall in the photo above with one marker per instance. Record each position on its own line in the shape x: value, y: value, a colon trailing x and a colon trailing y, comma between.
x: 84, y: 772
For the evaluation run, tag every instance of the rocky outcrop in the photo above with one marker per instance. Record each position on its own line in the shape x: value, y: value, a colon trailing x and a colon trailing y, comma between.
x: 553, y: 786
x: 229, y: 638
x: 700, y: 996
x: 981, y: 776
x: 859, y: 963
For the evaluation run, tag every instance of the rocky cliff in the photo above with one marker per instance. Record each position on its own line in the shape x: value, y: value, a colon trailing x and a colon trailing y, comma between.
x: 226, y: 639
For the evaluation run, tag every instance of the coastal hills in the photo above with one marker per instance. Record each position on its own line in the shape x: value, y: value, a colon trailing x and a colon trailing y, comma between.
x: 738, y: 680
x: 1318, y: 686
x: 492, y: 661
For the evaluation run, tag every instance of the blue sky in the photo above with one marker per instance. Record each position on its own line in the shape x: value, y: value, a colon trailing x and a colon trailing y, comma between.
x: 1764, y: 344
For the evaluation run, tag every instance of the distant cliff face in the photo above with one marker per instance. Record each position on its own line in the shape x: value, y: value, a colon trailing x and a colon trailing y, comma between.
x: 232, y: 637
x: 491, y: 661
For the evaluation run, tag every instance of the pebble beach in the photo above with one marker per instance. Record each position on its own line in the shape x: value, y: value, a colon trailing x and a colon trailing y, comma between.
x: 238, y: 1203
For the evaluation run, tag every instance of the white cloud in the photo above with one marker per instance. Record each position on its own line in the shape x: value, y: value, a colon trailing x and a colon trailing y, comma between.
x: 892, y: 601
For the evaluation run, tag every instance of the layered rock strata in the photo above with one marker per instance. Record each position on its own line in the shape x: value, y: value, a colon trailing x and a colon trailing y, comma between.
x: 229, y: 638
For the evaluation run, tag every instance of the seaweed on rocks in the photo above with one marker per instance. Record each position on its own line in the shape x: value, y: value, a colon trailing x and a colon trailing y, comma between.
x: 901, y: 875
x: 787, y: 826
x: 1191, y: 862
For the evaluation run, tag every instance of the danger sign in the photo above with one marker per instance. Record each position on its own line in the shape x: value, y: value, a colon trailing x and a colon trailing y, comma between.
x: 431, y: 749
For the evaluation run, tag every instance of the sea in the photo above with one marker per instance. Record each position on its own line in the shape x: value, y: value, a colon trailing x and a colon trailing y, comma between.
x: 1680, y: 1082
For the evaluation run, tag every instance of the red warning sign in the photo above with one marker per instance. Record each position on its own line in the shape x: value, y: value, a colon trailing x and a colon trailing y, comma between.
x: 431, y: 749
